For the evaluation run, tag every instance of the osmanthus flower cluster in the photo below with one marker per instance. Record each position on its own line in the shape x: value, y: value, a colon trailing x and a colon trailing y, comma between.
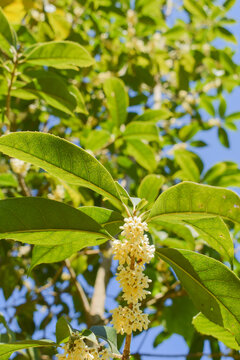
x: 77, y: 349
x: 19, y: 167
x: 132, y: 253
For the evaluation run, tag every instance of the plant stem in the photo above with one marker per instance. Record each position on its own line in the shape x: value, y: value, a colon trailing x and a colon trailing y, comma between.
x: 23, y: 185
x: 126, y: 350
x: 8, y: 100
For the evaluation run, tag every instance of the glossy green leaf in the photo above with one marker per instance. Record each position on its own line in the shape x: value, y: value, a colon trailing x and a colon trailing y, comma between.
x: 7, y: 34
x: 154, y: 115
x: 213, y: 288
x: 209, y: 328
x: 223, y: 137
x: 81, y: 108
x: 150, y: 186
x: 233, y: 116
x: 228, y: 4
x: 9, y: 348
x: 96, y: 139
x: 62, y: 159
x: 63, y: 330
x: 175, y: 32
x: 188, y: 200
x: 188, y: 131
x: 142, y: 153
x: 225, y: 34
x: 181, y: 231
x: 52, y: 89
x: 59, y: 54
x: 108, y: 334
x: 46, y: 222
x: 141, y: 130
x: 108, y: 219
x: 189, y: 168
x: 206, y: 104
x: 8, y: 180
x: 195, y: 8
x: 215, y: 232
x: 227, y: 62
x: 222, y: 107
x: 117, y: 100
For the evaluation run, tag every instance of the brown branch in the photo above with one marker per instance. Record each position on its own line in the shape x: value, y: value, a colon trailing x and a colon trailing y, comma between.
x: 79, y: 288
x: 52, y: 282
x: 198, y: 354
x: 126, y: 350
x: 97, y: 307
x: 25, y: 189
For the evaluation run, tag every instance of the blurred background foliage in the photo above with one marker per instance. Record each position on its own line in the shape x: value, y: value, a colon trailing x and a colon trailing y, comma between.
x: 139, y: 109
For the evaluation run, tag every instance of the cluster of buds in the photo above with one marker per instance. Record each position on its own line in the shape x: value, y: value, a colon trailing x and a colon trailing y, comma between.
x: 19, y: 167
x: 132, y: 253
x: 79, y: 350
x: 58, y: 193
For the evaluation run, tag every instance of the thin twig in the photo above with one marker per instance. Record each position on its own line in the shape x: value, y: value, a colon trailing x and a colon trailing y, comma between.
x: 8, y: 100
x: 25, y: 189
x: 79, y: 288
x: 187, y: 355
x: 52, y: 282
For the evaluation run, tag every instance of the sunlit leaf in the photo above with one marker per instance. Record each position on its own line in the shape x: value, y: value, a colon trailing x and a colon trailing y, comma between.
x: 62, y: 159
x: 58, y: 54
x: 213, y: 288
x: 207, y: 327
x: 117, y: 100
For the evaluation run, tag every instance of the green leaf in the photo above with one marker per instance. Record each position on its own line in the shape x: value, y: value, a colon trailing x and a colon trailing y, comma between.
x: 188, y: 200
x: 8, y: 180
x: 207, y: 327
x: 150, y: 186
x: 7, y: 34
x: 117, y: 100
x: 59, y: 54
x: 215, y: 232
x: 175, y: 32
x: 154, y: 115
x: 206, y: 104
x: 81, y: 108
x: 62, y: 159
x: 96, y: 139
x: 189, y: 168
x: 10, y: 334
x: 46, y: 222
x: 233, y: 116
x: 63, y: 330
x: 222, y: 107
x: 108, y: 334
x: 227, y: 62
x: 194, y: 8
x: 198, y: 143
x: 182, y: 232
x: 223, y: 137
x: 213, y: 288
x: 51, y: 88
x: 188, y: 131
x: 225, y: 34
x: 110, y: 220
x: 9, y: 348
x: 141, y: 130
x: 142, y: 153
x: 228, y: 4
